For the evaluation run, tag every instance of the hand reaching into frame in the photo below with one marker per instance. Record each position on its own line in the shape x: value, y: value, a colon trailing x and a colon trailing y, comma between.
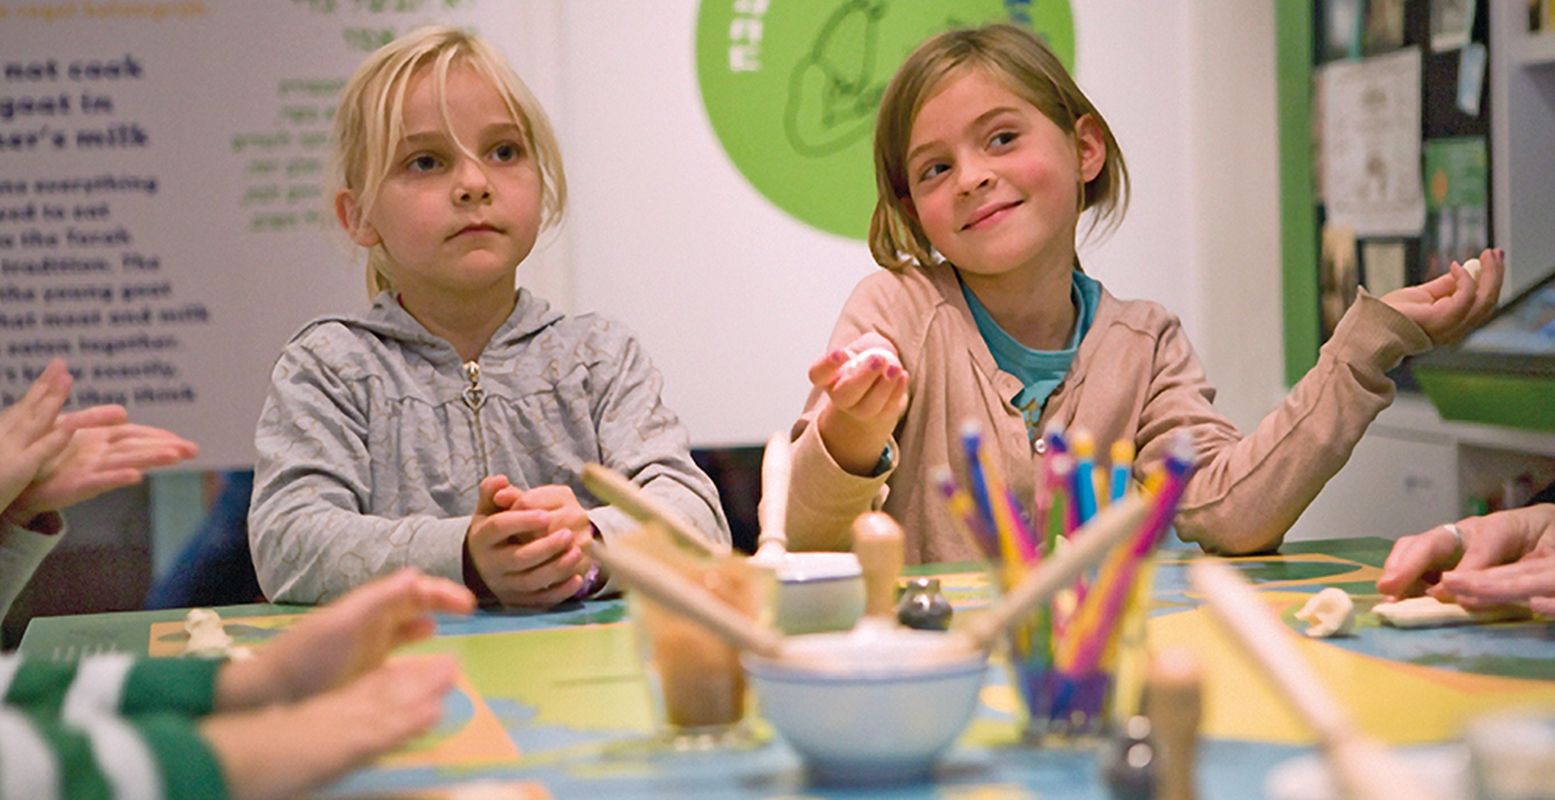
x: 1503, y: 558
x: 50, y: 460
x: 96, y: 460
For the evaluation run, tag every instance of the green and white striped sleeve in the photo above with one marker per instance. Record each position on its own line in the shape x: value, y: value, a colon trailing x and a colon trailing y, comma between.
x: 114, y: 684
x: 107, y: 726
x: 105, y: 756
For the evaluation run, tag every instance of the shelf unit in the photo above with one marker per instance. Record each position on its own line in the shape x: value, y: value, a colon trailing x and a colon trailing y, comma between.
x: 1534, y: 49
x: 1413, y: 469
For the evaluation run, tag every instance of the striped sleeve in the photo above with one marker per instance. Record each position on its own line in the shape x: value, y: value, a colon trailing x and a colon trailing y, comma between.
x: 104, y: 756
x: 108, y: 684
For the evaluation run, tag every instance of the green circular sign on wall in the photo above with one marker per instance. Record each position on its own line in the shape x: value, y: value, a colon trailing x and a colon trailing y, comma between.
x: 792, y: 88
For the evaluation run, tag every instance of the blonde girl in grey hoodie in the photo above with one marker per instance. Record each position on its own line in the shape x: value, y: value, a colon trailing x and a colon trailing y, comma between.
x: 445, y: 427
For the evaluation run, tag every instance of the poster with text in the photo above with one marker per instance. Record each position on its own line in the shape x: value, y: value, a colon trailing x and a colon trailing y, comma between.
x: 1370, y: 143
x: 164, y: 225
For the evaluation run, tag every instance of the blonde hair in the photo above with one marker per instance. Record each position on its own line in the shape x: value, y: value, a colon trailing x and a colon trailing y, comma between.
x: 369, y: 121
x: 1013, y: 56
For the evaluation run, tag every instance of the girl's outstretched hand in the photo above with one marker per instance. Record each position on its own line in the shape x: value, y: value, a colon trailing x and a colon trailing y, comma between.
x: 866, y: 393
x: 1449, y: 306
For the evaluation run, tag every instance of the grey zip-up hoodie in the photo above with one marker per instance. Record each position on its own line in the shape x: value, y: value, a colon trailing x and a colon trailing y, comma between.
x: 375, y: 436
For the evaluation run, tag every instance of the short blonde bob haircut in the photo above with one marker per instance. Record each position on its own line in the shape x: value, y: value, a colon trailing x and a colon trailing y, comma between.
x: 1016, y: 58
x: 369, y: 121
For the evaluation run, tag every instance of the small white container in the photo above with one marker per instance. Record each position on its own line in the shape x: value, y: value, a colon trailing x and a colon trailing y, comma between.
x: 819, y: 592
x: 1512, y: 755
x: 873, y: 708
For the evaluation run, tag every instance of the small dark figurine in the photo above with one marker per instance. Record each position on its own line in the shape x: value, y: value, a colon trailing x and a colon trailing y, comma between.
x: 923, y: 607
x: 1129, y: 762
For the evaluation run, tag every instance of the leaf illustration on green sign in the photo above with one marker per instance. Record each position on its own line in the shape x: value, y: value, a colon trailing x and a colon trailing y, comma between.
x: 836, y: 87
x: 791, y: 88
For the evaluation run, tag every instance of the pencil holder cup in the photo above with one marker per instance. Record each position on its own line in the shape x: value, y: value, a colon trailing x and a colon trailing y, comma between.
x: 1079, y: 669
x: 696, y: 686
x: 695, y: 682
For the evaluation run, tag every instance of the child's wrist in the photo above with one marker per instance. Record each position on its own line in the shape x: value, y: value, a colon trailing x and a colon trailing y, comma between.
x: 246, y: 684
x: 591, y: 583
x: 594, y: 578
x: 855, y: 447
x: 474, y: 582
x: 46, y: 523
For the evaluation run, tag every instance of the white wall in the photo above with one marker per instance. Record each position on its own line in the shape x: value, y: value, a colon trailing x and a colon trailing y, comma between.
x: 732, y: 297
x: 1132, y: 61
x: 1233, y: 205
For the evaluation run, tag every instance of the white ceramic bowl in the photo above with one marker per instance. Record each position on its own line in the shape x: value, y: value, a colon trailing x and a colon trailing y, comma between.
x: 819, y: 592
x: 857, y: 713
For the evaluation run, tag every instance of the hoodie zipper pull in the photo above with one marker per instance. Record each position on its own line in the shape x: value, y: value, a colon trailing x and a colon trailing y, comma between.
x: 474, y: 396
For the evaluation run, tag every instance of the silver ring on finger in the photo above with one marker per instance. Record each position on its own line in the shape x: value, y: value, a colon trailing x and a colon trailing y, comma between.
x: 1457, y: 533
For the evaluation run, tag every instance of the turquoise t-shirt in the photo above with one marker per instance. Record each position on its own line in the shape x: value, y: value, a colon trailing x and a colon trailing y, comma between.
x: 1039, y: 370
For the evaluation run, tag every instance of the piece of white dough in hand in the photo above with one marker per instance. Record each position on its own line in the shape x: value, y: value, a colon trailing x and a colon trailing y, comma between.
x: 1428, y: 612
x: 1472, y: 267
x: 857, y: 361
x: 1330, y: 612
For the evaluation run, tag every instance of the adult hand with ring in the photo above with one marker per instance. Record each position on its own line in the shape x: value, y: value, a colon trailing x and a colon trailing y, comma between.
x: 1510, y: 560
x: 1462, y: 561
x: 1457, y: 534
x: 1416, y: 563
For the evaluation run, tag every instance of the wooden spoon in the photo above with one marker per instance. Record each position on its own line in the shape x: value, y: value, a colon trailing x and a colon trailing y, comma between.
x: 617, y: 490
x: 776, y: 466
x: 1363, y: 768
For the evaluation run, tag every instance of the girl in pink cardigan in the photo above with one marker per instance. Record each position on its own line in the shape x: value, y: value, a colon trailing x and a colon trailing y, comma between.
x: 986, y: 155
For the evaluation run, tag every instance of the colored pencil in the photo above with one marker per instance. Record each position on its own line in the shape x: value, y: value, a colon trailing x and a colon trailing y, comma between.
x: 1122, y: 469
x: 1084, y: 476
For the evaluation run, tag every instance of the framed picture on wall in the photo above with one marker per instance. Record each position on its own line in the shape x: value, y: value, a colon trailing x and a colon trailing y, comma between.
x: 1457, y: 180
x: 1339, y: 275
x: 1342, y: 21
x: 1452, y: 21
x: 1384, y: 26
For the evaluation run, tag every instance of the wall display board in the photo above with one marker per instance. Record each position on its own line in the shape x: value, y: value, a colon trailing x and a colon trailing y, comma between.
x: 1367, y: 202
x: 162, y: 219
